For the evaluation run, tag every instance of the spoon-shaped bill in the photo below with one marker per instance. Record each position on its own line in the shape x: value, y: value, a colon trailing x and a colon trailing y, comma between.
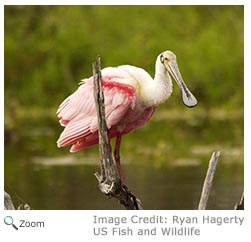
x: 188, y: 98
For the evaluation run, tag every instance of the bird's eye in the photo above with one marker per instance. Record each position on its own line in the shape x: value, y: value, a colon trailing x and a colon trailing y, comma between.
x: 163, y: 59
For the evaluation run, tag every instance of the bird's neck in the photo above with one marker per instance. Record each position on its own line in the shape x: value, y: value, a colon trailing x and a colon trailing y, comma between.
x: 161, y: 86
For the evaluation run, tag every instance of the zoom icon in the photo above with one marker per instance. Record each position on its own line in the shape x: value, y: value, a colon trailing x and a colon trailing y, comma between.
x: 8, y: 220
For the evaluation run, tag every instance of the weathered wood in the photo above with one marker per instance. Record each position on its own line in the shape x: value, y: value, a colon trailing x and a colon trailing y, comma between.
x: 240, y: 204
x: 106, y: 161
x: 208, y: 182
x: 8, y: 204
x: 109, y: 181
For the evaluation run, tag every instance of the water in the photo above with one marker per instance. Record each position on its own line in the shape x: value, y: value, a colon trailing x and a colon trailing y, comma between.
x: 165, y: 162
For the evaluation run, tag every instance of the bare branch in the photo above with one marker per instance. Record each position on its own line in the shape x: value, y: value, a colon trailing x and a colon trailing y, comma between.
x: 109, y: 180
x: 240, y: 205
x: 8, y: 204
x: 208, y: 182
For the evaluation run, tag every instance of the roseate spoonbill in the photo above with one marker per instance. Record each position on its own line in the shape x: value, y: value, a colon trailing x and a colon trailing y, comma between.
x: 131, y: 97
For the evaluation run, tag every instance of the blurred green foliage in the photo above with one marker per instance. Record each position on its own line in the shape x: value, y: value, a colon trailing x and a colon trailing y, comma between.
x: 49, y: 49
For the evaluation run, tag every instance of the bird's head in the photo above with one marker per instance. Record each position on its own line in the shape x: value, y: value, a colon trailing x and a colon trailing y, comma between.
x: 168, y: 61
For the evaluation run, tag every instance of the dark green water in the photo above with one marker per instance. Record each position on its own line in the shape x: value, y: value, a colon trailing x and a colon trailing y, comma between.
x: 165, y: 162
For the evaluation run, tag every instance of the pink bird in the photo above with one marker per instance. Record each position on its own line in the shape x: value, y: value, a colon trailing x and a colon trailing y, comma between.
x: 131, y: 97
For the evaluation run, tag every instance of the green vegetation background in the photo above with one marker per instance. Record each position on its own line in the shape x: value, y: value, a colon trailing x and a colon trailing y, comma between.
x: 49, y: 49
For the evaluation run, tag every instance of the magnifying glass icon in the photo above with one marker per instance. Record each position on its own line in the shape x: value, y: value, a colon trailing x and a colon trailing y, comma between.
x: 8, y: 220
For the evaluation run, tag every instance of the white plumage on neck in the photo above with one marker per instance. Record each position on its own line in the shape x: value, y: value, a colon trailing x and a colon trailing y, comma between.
x: 160, y: 88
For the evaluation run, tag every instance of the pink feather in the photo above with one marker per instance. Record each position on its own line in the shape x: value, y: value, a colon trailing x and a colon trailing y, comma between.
x: 78, y: 113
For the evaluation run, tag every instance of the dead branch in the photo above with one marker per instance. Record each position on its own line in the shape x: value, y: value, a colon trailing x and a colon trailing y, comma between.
x: 208, y: 182
x: 240, y: 204
x: 109, y: 180
x: 8, y: 204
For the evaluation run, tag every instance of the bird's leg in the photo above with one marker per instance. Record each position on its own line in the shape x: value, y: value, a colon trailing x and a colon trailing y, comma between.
x: 117, y: 158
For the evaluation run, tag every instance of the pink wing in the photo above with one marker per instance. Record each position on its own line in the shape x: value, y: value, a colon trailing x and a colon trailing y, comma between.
x: 78, y: 112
